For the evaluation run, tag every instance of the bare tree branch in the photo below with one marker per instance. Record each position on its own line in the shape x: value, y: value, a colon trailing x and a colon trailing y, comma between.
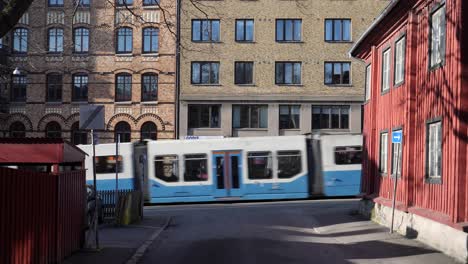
x: 11, y: 14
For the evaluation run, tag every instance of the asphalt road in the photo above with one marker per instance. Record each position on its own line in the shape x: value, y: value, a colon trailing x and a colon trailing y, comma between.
x: 280, y: 232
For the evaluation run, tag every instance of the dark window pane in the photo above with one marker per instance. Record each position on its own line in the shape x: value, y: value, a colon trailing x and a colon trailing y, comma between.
x: 196, y: 168
x: 53, y: 130
x: 348, y: 155
x: 345, y: 117
x: 196, y: 73
x: 123, y: 130
x: 337, y: 73
x: 325, y: 118
x: 346, y: 73
x: 167, y: 168
x: 328, y: 73
x: 335, y: 117
x: 260, y: 165
x: 107, y: 164
x: 149, y: 131
x: 316, y: 114
x: 289, y: 164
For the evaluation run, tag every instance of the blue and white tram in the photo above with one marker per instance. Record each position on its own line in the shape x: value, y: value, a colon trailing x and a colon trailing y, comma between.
x: 233, y: 168
x: 260, y: 168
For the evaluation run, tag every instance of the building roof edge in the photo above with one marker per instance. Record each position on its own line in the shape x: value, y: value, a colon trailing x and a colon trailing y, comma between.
x: 379, y: 19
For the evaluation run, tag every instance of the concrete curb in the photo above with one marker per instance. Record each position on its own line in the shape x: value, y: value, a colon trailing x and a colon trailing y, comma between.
x: 140, y: 252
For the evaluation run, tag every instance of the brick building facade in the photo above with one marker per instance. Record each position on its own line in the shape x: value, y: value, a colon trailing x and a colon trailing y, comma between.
x: 269, y: 67
x: 122, y: 57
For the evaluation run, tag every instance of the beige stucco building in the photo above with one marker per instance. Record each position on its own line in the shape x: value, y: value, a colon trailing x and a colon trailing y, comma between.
x: 294, y: 74
x: 97, y: 53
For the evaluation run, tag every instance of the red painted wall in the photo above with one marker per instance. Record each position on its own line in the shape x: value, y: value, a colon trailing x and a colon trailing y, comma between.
x: 425, y: 94
x: 41, y: 215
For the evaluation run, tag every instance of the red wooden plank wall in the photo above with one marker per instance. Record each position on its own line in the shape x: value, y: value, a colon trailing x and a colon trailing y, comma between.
x: 425, y: 94
x: 42, y: 215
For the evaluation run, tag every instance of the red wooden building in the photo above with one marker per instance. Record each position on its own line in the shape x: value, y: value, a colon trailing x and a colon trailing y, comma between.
x: 417, y: 82
x: 43, y: 202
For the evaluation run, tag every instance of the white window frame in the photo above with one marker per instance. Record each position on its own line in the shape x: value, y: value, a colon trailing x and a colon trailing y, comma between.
x: 386, y: 70
x: 434, y: 150
x: 368, y: 86
x: 399, y: 67
x: 437, y: 37
x: 383, y: 153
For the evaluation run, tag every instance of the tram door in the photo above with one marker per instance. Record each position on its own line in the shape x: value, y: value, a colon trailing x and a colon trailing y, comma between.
x: 227, y: 171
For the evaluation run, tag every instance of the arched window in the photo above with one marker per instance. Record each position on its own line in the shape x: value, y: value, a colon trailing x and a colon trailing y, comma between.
x: 123, y: 87
x: 53, y: 130
x: 149, y: 87
x: 55, y: 40
x: 124, y: 40
x: 123, y: 130
x: 78, y: 136
x: 149, y: 131
x: 81, y: 39
x: 20, y: 40
x: 17, y: 130
x: 150, y: 40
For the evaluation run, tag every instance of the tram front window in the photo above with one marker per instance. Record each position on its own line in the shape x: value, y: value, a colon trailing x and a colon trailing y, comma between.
x: 166, y: 168
x: 289, y: 164
x: 195, y: 168
x: 260, y: 165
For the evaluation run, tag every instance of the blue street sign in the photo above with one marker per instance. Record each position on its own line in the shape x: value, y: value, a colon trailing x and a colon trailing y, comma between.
x: 397, y: 137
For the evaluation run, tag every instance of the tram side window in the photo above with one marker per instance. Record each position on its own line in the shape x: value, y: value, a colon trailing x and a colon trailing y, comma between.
x: 167, y: 168
x: 289, y: 164
x: 260, y: 165
x: 348, y: 155
x: 196, y: 168
x: 106, y: 164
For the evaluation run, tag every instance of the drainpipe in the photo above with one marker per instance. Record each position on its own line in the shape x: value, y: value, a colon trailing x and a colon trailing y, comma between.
x: 177, y: 88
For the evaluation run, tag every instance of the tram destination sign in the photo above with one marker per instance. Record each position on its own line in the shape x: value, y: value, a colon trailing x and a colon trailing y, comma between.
x: 91, y: 117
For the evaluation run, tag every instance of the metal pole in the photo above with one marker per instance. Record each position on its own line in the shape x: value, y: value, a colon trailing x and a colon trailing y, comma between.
x: 96, y: 232
x: 395, y: 186
x: 116, y: 175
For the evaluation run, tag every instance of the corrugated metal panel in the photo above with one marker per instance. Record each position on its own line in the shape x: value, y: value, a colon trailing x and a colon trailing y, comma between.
x: 42, y: 215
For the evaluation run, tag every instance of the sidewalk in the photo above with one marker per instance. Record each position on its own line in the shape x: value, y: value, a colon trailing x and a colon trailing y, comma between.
x: 119, y: 244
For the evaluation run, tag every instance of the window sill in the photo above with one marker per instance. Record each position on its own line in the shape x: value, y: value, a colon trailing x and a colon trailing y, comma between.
x: 124, y: 54
x: 385, y: 92
x: 397, y: 85
x: 79, y: 102
x: 205, y: 128
x: 207, y: 42
x: 18, y: 103
x: 295, y: 85
x: 149, y: 103
x: 251, y: 129
x: 290, y: 42
x: 53, y: 103
x: 331, y: 129
x: 245, y: 42
x: 339, y: 85
x: 290, y: 129
x: 201, y: 84
x: 339, y: 41
x: 433, y: 180
x: 150, y: 54
x: 246, y: 85
x: 150, y: 7
x: 123, y: 103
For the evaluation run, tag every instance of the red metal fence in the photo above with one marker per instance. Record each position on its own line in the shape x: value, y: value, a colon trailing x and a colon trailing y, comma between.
x: 41, y: 215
